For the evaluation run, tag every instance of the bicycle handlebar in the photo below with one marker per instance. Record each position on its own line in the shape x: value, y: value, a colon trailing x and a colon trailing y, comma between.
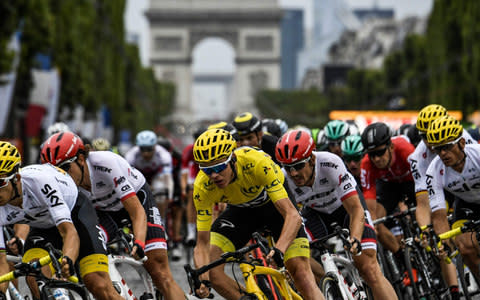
x: 396, y: 215
x: 342, y: 233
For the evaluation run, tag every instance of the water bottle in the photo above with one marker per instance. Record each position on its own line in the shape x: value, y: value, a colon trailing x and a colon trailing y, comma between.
x: 60, y: 294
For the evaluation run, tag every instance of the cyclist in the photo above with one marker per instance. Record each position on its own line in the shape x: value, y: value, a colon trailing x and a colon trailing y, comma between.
x: 101, y: 144
x: 335, y: 131
x: 320, y: 183
x: 249, y: 129
x: 118, y: 192
x: 352, y: 153
x: 176, y: 205
x: 57, y: 127
x: 47, y: 199
x: 188, y: 174
x: 155, y: 163
x: 456, y: 168
x: 269, y: 126
x: 386, y: 178
x: 252, y: 184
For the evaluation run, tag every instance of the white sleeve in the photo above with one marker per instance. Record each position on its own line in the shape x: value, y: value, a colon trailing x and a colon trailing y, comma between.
x: 434, y: 185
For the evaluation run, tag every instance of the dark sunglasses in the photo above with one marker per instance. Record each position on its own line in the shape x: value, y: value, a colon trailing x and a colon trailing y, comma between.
x: 296, y: 166
x: 216, y: 168
x: 146, y: 149
x: 445, y: 147
x: 379, y: 152
x: 349, y: 158
x: 65, y: 165
x: 5, y: 180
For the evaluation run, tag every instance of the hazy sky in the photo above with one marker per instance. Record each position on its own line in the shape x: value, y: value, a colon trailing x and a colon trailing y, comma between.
x: 136, y: 21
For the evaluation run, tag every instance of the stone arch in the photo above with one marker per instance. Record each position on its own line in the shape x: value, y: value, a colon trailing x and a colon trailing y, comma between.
x: 252, y: 27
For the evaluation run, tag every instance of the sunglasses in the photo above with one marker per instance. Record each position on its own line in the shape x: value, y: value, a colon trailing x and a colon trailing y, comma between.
x: 379, y: 152
x: 5, y: 180
x: 146, y: 149
x: 216, y: 168
x: 65, y: 165
x: 349, y: 158
x: 445, y: 147
x: 296, y: 166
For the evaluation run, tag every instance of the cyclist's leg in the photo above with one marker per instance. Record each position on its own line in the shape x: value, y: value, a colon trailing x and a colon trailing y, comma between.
x: 297, y: 256
x: 176, y: 210
x: 388, y: 197
x: 156, y: 250
x: 368, y: 266
x: 298, y: 264
x: 34, y: 245
x: 93, y: 261
x: 160, y: 194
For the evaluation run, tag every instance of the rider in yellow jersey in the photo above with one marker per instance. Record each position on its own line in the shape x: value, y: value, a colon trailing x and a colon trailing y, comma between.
x: 252, y: 184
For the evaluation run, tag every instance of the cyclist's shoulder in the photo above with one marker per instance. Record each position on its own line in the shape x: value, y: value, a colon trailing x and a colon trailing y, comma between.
x: 402, y: 145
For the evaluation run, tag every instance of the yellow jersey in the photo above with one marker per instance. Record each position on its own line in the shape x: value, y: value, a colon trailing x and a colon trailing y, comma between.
x: 258, y: 180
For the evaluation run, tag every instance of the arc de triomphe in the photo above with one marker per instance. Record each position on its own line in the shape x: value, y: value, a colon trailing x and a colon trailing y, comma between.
x: 252, y: 27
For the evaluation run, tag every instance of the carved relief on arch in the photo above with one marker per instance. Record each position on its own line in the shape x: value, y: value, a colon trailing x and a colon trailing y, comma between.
x: 197, y: 35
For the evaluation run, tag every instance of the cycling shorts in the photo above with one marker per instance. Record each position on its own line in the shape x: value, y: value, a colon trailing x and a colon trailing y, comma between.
x: 389, y: 194
x: 92, y: 253
x: 319, y: 224
x: 110, y: 221
x: 234, y: 227
x: 463, y: 210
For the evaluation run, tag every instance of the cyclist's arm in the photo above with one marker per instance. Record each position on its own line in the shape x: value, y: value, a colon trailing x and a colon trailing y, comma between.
x: 423, y: 208
x: 183, y: 182
x: 71, y: 241
x: 3, y: 269
x: 201, y: 251
x: 357, y: 216
x: 291, y: 225
x: 21, y: 230
x: 138, y: 216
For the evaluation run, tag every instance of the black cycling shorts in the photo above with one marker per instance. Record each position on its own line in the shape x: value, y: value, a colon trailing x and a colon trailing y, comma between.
x: 85, y: 220
x: 111, y: 221
x: 389, y: 194
x: 238, y: 223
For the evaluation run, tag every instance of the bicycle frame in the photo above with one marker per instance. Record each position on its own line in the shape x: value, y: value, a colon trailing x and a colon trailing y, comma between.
x: 278, y: 276
x: 120, y: 283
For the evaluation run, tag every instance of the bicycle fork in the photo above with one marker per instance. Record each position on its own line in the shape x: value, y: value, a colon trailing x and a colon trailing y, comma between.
x: 349, y: 290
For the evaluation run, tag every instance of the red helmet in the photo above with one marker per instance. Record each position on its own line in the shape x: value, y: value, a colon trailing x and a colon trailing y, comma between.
x: 60, y: 147
x: 293, y: 146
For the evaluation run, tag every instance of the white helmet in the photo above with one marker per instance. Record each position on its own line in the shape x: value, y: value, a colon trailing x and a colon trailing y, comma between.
x: 57, y: 127
x: 146, y: 138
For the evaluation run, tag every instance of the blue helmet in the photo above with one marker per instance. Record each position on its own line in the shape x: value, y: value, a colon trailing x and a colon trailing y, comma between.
x: 146, y: 138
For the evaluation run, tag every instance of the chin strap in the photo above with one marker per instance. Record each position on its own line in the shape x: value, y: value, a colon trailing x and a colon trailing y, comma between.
x: 81, y: 168
x: 462, y: 160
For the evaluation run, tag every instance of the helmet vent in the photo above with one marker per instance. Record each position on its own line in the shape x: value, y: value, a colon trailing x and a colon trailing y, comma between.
x: 59, y: 137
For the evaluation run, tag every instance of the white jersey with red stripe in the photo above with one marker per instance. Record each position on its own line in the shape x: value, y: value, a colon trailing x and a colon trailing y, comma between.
x: 421, y: 158
x: 464, y: 185
x: 161, y: 162
x: 332, y: 184
x: 112, y: 180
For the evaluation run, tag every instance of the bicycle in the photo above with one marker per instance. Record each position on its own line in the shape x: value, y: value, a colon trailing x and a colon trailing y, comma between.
x: 436, y: 242
x: 423, y: 278
x: 341, y: 280
x: 50, y: 288
x: 251, y: 269
x: 118, y: 250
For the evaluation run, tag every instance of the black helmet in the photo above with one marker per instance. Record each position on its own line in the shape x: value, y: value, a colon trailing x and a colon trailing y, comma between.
x: 376, y: 134
x: 270, y: 126
x: 246, y: 123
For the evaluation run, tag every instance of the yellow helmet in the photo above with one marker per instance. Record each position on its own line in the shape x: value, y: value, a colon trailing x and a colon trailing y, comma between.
x: 220, y: 125
x: 212, y: 145
x: 9, y: 158
x: 444, y: 130
x: 428, y: 114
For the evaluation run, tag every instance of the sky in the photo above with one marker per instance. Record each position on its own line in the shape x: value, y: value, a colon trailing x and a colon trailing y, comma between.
x: 135, y: 20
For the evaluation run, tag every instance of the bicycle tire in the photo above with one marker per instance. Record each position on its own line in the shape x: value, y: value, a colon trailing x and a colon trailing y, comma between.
x: 387, y: 260
x: 330, y: 289
x: 461, y: 277
x: 407, y: 254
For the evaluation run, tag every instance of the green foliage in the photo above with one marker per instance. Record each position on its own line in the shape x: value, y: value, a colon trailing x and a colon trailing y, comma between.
x: 308, y: 108
x: 86, y: 40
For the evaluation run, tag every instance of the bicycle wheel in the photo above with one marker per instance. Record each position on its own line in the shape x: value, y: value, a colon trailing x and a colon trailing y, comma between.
x: 330, y: 289
x: 411, y: 273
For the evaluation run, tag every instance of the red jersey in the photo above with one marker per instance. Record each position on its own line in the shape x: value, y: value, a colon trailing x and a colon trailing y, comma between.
x: 399, y: 170
x: 188, y: 164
